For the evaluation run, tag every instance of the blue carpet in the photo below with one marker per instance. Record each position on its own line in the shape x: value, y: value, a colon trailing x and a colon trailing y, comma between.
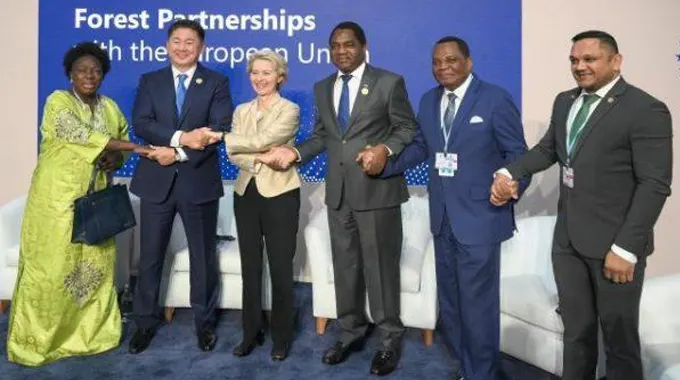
x: 173, y: 354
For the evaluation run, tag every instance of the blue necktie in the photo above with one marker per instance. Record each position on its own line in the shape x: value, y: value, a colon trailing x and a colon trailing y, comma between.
x: 450, y: 113
x: 181, y: 92
x: 343, y: 106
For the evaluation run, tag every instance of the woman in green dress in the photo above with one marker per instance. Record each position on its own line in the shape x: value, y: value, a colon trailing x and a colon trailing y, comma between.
x: 64, y: 302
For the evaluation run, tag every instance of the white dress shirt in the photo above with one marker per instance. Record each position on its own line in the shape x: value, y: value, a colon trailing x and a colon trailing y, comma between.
x: 460, y: 94
x: 353, y: 85
x: 174, y: 141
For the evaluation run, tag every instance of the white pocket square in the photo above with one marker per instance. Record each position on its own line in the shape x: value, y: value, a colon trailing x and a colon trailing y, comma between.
x: 476, y: 119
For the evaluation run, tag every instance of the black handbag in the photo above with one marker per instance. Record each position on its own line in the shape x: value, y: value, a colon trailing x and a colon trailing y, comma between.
x: 100, y: 215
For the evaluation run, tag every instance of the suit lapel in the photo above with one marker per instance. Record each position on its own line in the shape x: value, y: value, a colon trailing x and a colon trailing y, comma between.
x: 437, y: 122
x: 364, y: 92
x: 166, y: 92
x: 605, y: 105
x: 328, y: 100
x: 469, y: 100
x: 195, y: 86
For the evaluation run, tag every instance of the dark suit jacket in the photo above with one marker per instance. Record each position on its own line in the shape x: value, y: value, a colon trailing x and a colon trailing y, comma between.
x: 622, y: 171
x: 382, y: 115
x: 486, y: 134
x: 155, y: 119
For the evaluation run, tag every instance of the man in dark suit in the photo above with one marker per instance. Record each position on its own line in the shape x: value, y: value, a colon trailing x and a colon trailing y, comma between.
x: 182, y: 176
x: 468, y: 129
x: 363, y: 116
x: 613, y: 144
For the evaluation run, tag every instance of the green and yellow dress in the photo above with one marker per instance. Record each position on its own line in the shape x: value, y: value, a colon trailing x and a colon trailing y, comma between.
x: 65, y: 302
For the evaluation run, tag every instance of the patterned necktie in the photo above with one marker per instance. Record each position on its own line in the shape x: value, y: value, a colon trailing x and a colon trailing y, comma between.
x: 181, y: 92
x: 580, y: 120
x: 450, y: 113
x: 343, y: 105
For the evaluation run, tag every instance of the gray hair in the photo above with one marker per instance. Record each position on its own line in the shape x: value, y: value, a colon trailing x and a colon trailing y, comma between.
x: 280, y: 64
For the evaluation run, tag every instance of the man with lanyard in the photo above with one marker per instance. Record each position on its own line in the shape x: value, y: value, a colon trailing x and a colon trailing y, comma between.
x: 468, y: 129
x: 613, y: 142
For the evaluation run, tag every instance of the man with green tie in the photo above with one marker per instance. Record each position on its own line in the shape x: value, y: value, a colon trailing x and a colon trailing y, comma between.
x: 613, y: 144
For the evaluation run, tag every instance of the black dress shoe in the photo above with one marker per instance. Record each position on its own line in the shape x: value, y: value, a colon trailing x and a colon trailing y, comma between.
x: 245, y: 348
x: 340, y: 352
x: 280, y: 352
x: 385, y: 361
x: 206, y: 340
x: 140, y: 340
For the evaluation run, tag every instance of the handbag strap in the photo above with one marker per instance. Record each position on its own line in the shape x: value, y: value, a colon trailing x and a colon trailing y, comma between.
x: 93, y: 179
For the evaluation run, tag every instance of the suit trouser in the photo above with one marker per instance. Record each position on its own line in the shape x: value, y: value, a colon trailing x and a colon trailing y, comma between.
x: 468, y: 289
x: 276, y: 220
x: 200, y: 226
x: 366, y: 249
x: 586, y: 295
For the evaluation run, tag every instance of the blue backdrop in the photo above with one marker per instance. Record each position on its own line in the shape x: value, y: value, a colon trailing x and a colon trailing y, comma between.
x: 400, y: 36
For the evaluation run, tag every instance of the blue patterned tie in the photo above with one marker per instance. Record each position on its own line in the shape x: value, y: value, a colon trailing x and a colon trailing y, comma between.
x: 343, y: 106
x: 450, y: 113
x: 181, y: 92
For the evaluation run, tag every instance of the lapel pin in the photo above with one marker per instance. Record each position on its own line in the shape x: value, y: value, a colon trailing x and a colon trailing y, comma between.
x: 573, y: 96
x: 364, y: 91
x: 199, y: 80
x: 610, y: 100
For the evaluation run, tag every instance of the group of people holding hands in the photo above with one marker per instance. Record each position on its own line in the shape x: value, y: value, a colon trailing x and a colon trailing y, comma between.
x: 611, y: 140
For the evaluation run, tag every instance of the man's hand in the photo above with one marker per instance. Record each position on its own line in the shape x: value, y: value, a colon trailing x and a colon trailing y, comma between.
x: 163, y: 155
x: 278, y: 158
x: 199, y: 138
x: 110, y: 161
x: 503, y: 189
x: 373, y: 159
x: 617, y: 269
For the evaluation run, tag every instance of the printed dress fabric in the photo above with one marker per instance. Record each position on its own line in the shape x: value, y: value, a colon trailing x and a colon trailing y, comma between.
x: 65, y: 302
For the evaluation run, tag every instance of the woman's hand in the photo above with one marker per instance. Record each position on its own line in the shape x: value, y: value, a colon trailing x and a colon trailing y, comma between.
x: 143, y: 150
x: 110, y: 161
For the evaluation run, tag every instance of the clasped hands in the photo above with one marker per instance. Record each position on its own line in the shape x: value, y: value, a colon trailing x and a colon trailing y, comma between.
x: 372, y: 159
x: 503, y: 190
x: 196, y: 139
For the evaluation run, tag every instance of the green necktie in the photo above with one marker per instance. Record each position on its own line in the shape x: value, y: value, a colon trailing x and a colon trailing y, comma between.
x: 580, y: 121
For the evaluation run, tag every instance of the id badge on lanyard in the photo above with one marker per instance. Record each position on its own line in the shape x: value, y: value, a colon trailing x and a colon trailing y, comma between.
x: 446, y: 163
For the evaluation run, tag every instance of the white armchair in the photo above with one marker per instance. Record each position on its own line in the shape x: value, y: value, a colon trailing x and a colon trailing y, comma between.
x: 660, y: 327
x: 11, y: 217
x: 175, y: 288
x: 531, y: 328
x: 419, y: 307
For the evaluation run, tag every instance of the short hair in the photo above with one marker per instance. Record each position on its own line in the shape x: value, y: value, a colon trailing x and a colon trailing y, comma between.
x: 354, y: 27
x: 83, y: 49
x: 189, y: 24
x: 462, y: 45
x: 604, y: 37
x: 280, y: 64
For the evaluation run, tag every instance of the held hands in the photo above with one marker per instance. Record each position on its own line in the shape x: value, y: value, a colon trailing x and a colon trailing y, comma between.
x: 199, y: 138
x: 163, y: 155
x: 278, y: 158
x: 503, y: 189
x: 617, y: 269
x: 373, y: 159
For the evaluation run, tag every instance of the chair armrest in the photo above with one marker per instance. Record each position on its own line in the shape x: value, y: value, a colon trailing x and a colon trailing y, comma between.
x: 659, y: 310
x: 11, y: 217
x: 529, y: 251
x: 318, y: 241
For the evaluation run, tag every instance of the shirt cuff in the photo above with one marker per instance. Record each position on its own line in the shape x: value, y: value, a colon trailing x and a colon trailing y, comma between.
x: 297, y: 154
x: 174, y: 141
x: 631, y: 258
x: 503, y: 171
x: 182, y: 155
